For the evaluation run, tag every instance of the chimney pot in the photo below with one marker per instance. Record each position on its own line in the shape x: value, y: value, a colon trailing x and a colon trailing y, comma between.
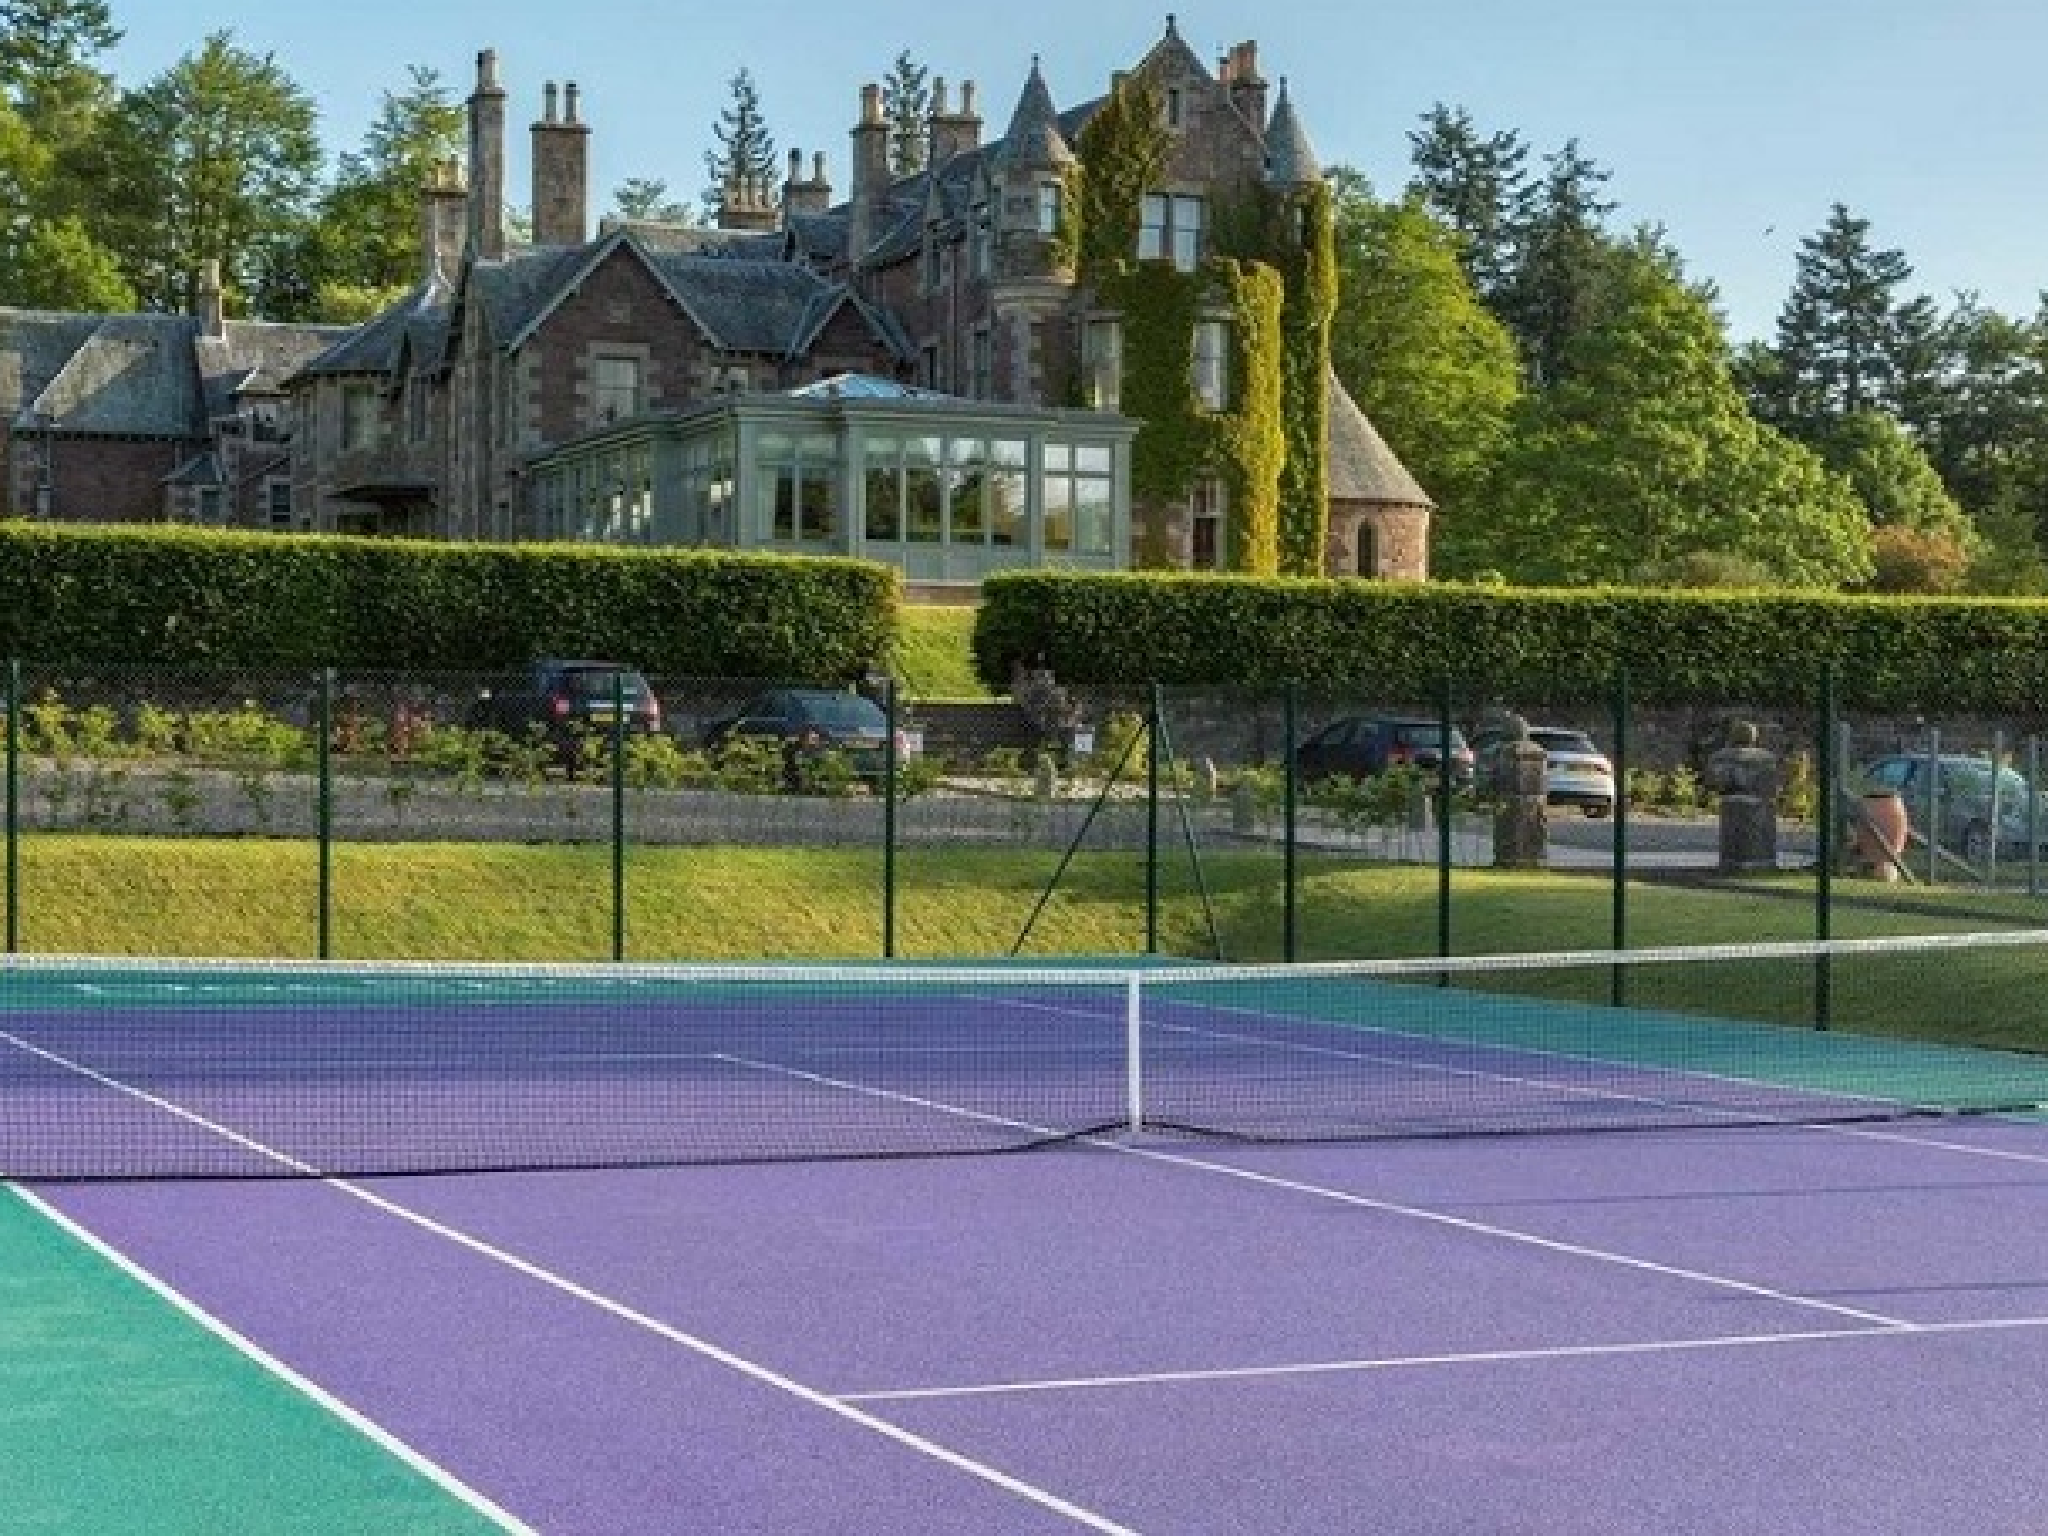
x: 938, y: 96
x: 571, y: 102
x: 871, y: 104
x: 548, y: 98
x: 967, y: 98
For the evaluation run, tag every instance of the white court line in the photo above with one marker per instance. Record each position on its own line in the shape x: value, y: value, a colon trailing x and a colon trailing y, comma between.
x: 755, y: 1371
x: 242, y: 1344
x: 1356, y: 1201
x: 1418, y: 1362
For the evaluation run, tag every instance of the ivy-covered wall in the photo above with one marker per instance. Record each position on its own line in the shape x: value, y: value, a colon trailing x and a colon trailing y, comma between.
x: 1274, y: 279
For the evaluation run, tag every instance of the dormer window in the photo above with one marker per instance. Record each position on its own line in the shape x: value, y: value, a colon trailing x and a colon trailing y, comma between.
x: 1048, y: 207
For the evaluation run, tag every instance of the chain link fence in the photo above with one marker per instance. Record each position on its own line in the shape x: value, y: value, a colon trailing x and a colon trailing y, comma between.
x: 606, y: 815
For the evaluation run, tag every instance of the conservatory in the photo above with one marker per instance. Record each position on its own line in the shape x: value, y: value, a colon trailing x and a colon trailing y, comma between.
x: 944, y: 488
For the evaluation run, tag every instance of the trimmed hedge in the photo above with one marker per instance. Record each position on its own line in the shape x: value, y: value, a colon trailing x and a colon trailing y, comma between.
x: 1403, y: 642
x: 179, y: 595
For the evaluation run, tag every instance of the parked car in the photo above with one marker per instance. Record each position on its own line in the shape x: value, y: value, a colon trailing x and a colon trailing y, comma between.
x: 1575, y: 771
x: 565, y: 704
x: 811, y: 723
x: 1360, y: 746
x: 1965, y: 787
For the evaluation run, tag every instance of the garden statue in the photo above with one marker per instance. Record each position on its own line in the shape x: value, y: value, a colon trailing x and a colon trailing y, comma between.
x: 1745, y: 777
x: 1521, y: 829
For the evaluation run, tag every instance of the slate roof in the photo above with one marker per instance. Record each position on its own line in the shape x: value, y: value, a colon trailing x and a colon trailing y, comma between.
x: 1290, y: 161
x: 1034, y: 137
x: 1361, y: 465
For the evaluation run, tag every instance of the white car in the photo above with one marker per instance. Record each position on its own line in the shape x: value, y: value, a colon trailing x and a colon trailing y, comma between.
x: 1575, y: 771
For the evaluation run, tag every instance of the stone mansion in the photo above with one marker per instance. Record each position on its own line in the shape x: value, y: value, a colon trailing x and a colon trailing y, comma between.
x: 914, y: 372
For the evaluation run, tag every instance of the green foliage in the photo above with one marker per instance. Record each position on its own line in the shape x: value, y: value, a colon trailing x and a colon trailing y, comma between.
x: 1123, y: 152
x: 1423, y: 357
x: 1679, y: 648
x: 182, y: 595
x: 217, y: 158
x: 1646, y: 453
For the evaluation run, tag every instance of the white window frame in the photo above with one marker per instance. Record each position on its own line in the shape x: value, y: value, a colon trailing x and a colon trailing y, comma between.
x: 1212, y: 363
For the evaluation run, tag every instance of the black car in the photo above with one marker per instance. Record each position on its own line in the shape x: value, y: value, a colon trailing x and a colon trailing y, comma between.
x: 568, y: 704
x: 811, y: 723
x: 1361, y: 746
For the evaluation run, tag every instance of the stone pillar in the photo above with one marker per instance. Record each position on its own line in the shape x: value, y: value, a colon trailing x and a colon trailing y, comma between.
x: 1521, y: 827
x: 1745, y: 776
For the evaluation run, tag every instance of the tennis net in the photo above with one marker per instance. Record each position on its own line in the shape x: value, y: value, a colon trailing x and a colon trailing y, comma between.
x: 136, y: 1069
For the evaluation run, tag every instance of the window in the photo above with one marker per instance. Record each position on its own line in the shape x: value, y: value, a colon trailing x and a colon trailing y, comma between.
x: 981, y: 365
x: 1170, y: 229
x: 1212, y: 364
x: 928, y: 366
x: 1007, y: 509
x: 1079, y: 505
x: 934, y: 270
x: 358, y: 417
x: 1173, y: 106
x: 980, y: 245
x: 277, y: 497
x: 1103, y: 363
x: 798, y: 480
x: 209, y: 504
x: 615, y: 388
x: 1205, y: 525
x: 1048, y: 208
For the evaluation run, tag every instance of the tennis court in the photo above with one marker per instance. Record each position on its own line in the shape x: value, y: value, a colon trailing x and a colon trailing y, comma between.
x: 706, y: 1269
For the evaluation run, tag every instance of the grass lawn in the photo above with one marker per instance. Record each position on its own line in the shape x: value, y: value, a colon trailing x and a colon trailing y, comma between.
x: 498, y: 902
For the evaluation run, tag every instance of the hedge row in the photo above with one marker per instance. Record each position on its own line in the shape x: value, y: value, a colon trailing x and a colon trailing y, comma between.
x: 1403, y: 642
x: 185, y: 595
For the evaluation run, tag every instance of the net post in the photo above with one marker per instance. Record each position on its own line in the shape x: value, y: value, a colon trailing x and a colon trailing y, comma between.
x: 1134, y: 1053
x: 323, y: 753
x: 1290, y: 715
x: 1624, y: 725
x: 13, y: 806
x: 889, y: 767
x: 618, y: 816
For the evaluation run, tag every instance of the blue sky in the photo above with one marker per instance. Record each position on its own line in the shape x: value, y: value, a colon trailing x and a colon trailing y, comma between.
x: 1735, y: 124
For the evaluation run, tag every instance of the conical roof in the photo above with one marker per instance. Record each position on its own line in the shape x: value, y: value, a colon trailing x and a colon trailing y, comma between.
x: 1034, y: 139
x: 1361, y: 465
x: 1290, y: 161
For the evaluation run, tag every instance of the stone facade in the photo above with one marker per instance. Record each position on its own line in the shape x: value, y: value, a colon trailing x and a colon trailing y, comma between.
x: 423, y: 421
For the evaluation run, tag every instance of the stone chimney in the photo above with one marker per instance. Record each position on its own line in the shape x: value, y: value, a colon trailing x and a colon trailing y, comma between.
x: 869, y: 196
x: 953, y: 133
x: 1239, y: 74
x: 561, y: 157
x: 487, y: 161
x: 209, y: 306
x: 444, y: 208
x: 801, y: 196
x: 748, y: 205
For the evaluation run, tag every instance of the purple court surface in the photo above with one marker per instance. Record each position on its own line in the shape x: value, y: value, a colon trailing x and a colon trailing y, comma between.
x: 1797, y: 1332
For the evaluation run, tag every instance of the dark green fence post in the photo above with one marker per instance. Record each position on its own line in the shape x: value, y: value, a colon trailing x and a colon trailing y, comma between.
x: 618, y: 816
x: 323, y: 756
x: 1445, y: 779
x: 1152, y: 756
x: 889, y: 768
x: 1290, y: 940
x: 1827, y: 818
x: 1624, y: 728
x: 13, y: 807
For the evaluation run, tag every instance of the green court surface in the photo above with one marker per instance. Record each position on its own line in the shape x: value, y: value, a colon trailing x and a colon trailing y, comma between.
x: 119, y: 1413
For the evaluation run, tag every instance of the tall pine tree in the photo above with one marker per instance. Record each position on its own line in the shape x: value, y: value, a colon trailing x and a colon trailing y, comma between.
x: 746, y: 149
